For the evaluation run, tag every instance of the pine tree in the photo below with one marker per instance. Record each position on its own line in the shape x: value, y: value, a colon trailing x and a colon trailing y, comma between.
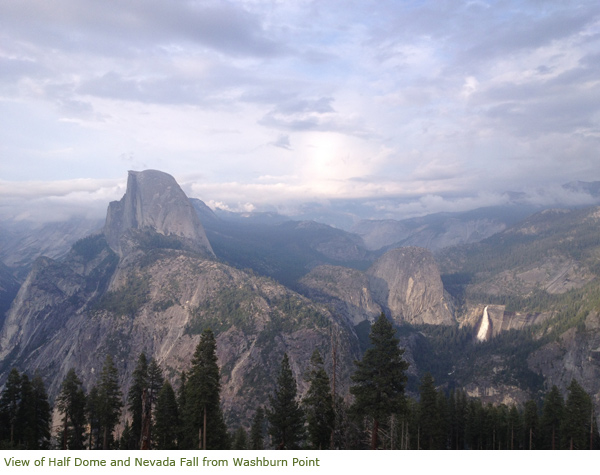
x: 318, y: 404
x: 71, y: 403
x: 286, y: 419
x: 42, y: 413
x: 257, y: 430
x: 240, y: 439
x: 9, y: 407
x: 428, y: 413
x: 92, y: 411
x: 578, y: 427
x: 206, y: 426
x: 552, y: 415
x: 530, y: 425
x: 134, y: 400
x: 110, y: 401
x: 149, y: 396
x: 380, y: 377
x: 166, y: 416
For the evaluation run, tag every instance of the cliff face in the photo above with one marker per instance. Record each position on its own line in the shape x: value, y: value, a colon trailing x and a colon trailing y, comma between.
x: 575, y: 355
x: 347, y: 291
x: 154, y: 202
x: 406, y: 281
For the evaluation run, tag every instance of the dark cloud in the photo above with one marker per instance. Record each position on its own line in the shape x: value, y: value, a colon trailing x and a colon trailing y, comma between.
x: 131, y: 25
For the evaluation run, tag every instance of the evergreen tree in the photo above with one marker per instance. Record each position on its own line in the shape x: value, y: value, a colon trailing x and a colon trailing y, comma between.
x: 380, y: 377
x: 286, y: 419
x: 552, y: 415
x: 206, y: 426
x: 109, y: 401
x: 149, y: 396
x: 134, y: 400
x: 579, y: 428
x: 530, y: 425
x: 513, y: 428
x: 318, y: 404
x: 166, y: 416
x: 9, y: 408
x: 429, y: 416
x: 92, y: 411
x: 42, y: 413
x: 257, y: 430
x: 71, y: 403
x: 240, y: 439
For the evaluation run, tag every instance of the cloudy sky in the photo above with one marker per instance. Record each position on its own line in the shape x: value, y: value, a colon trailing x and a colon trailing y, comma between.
x: 405, y: 106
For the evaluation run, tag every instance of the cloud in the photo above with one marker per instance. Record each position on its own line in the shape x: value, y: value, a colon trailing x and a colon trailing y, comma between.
x: 368, y: 100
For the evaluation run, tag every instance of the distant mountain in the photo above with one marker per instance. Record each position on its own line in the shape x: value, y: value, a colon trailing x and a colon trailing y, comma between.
x: 8, y: 290
x: 285, y: 251
x: 21, y: 242
x: 440, y: 230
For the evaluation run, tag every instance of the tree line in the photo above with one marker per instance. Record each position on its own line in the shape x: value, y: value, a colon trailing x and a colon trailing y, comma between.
x: 381, y: 415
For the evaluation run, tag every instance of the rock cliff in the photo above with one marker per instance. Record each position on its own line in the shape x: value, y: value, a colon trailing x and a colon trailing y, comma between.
x: 154, y: 203
x: 406, y: 282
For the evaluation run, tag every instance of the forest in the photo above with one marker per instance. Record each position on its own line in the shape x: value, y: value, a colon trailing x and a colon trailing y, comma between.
x: 378, y: 415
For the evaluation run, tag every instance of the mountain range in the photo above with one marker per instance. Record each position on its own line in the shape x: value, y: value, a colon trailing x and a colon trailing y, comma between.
x: 499, y: 301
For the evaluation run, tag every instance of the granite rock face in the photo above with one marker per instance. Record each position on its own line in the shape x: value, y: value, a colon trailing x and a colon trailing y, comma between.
x: 154, y: 203
x: 406, y: 282
x: 346, y: 290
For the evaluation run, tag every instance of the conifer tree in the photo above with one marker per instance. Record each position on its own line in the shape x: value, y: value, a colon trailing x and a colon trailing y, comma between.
x: 71, y: 403
x: 286, y: 419
x: 166, y: 416
x: 428, y: 413
x: 240, y: 439
x: 110, y: 401
x: 318, y: 404
x: 257, y: 430
x: 552, y: 415
x: 579, y: 427
x: 9, y: 407
x: 206, y: 426
x: 380, y: 377
x: 92, y: 411
x: 42, y: 413
x: 134, y: 400
x: 530, y: 425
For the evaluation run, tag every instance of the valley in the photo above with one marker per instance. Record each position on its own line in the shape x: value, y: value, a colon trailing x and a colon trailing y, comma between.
x: 502, y: 309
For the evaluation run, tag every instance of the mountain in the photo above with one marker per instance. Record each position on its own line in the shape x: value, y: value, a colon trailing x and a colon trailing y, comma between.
x: 21, y: 242
x: 528, y: 301
x: 8, y: 290
x: 440, y: 230
x: 150, y: 282
x: 404, y: 283
x: 285, y: 251
x: 154, y: 203
x: 503, y: 317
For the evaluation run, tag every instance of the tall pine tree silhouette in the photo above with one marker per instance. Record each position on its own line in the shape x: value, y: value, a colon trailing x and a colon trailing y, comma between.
x: 379, y: 378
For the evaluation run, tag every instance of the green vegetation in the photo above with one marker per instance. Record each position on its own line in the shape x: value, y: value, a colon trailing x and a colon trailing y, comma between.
x: 128, y: 298
x: 90, y: 247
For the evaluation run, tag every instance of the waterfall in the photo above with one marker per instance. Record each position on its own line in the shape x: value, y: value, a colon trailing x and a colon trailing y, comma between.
x: 484, y: 326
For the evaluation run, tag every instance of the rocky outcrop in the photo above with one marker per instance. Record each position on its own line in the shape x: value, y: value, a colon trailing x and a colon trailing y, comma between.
x: 575, y: 355
x: 154, y: 203
x: 406, y: 282
x: 346, y: 291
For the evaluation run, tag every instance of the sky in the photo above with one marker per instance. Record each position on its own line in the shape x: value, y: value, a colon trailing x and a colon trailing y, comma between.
x: 400, y: 107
